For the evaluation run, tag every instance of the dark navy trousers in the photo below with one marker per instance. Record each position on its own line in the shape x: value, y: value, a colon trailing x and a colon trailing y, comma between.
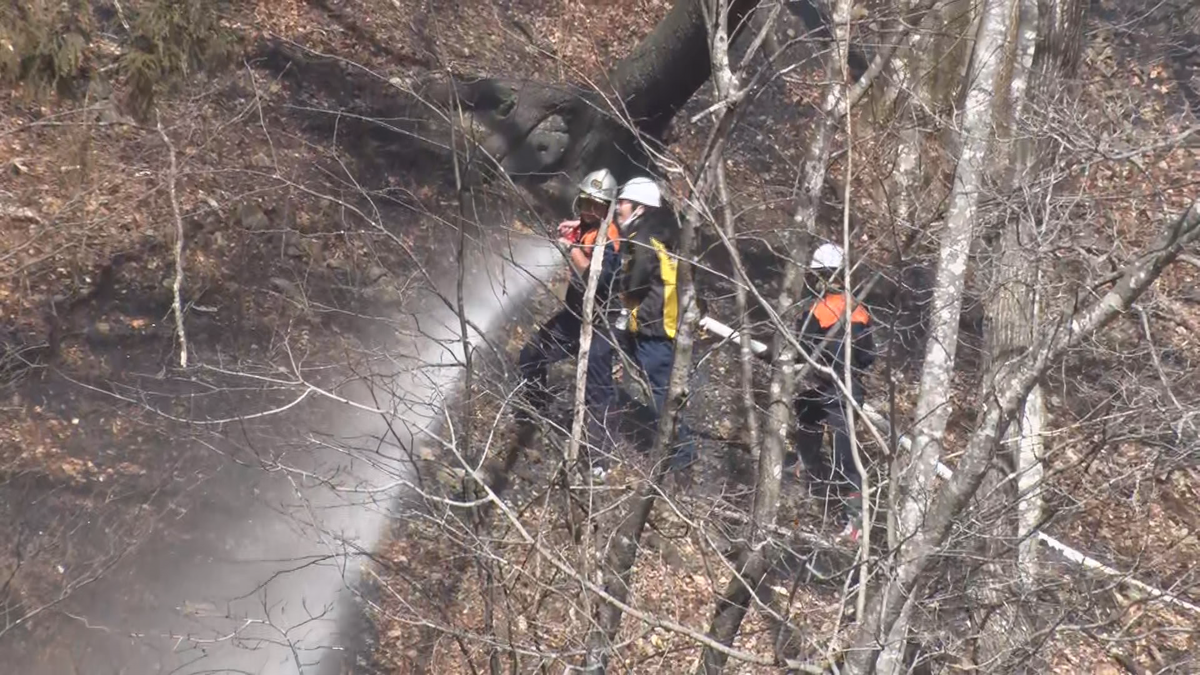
x: 655, y: 357
x: 556, y: 340
x: 817, y: 408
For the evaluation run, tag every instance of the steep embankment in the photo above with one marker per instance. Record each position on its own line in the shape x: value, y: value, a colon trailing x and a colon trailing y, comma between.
x: 260, y: 573
x: 152, y: 516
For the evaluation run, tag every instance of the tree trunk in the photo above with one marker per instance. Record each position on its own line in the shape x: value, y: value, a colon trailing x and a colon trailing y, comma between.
x: 623, y: 554
x: 1009, y: 325
x: 750, y: 427
x: 1047, y: 47
x: 1070, y: 329
x: 623, y: 551
x: 667, y: 67
x: 906, y: 181
x: 933, y: 410
x: 754, y: 561
x: 1002, y: 621
x: 650, y: 86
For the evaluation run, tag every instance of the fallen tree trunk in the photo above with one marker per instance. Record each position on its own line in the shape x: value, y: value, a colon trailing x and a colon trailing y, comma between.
x: 600, y: 124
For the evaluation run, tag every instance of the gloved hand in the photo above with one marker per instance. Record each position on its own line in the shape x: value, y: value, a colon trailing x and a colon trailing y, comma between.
x: 563, y: 245
x: 569, y: 230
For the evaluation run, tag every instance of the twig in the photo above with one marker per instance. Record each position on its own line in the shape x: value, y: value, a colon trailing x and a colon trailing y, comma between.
x: 121, y: 17
x: 176, y: 304
x: 848, y: 345
x: 878, y: 420
x: 1162, y: 374
x: 1076, y: 556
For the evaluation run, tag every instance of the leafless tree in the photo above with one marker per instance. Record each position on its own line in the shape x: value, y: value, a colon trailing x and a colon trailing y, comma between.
x: 980, y: 177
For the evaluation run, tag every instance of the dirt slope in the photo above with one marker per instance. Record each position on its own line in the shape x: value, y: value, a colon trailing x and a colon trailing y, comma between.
x: 279, y: 269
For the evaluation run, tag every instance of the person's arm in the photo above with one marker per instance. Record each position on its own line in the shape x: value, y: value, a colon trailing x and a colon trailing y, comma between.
x: 581, y: 259
x: 639, y: 278
x: 568, y: 243
x: 610, y: 268
x: 864, y: 346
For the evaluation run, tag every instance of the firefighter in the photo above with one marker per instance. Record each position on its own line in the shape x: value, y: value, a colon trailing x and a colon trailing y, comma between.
x: 558, y: 338
x: 823, y: 404
x: 651, y: 232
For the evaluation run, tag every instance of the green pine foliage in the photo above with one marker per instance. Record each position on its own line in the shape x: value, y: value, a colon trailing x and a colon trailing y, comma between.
x: 172, y: 39
x: 49, y: 44
x: 44, y: 42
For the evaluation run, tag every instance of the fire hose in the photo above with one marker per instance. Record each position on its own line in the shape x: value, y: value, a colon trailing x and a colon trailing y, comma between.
x: 876, y: 418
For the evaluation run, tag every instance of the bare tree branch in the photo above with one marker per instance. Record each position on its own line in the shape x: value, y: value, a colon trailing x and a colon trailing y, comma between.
x: 917, y: 553
x: 177, y: 285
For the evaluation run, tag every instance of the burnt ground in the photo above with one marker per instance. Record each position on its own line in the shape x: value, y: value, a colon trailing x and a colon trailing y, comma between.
x: 108, y: 448
x: 275, y: 273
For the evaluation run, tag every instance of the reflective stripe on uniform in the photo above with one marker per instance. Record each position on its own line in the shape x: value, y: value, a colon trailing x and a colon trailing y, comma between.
x: 668, y: 266
x: 668, y: 271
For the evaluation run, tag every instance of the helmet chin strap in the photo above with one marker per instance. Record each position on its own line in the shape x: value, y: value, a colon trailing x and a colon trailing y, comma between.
x: 632, y: 217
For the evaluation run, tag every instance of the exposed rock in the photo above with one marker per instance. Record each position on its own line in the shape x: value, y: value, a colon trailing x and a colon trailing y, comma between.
x: 287, y: 288
x: 252, y: 218
x: 384, y: 294
x: 293, y: 246
x: 374, y: 273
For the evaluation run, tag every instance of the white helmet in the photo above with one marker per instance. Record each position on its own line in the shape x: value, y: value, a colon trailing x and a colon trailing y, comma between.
x: 642, y: 190
x: 827, y: 257
x: 599, y: 185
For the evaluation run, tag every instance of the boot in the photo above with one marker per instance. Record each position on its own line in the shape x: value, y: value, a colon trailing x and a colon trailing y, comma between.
x: 850, y: 517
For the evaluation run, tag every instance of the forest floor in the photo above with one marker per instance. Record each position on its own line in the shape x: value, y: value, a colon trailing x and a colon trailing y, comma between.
x: 94, y: 430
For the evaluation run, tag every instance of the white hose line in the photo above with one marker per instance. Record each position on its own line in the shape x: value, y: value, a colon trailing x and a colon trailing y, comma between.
x: 1078, y: 557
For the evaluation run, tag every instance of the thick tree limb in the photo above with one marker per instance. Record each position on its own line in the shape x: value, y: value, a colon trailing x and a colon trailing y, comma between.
x: 754, y: 562
x: 1069, y: 330
x: 932, y: 412
x: 1069, y: 552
